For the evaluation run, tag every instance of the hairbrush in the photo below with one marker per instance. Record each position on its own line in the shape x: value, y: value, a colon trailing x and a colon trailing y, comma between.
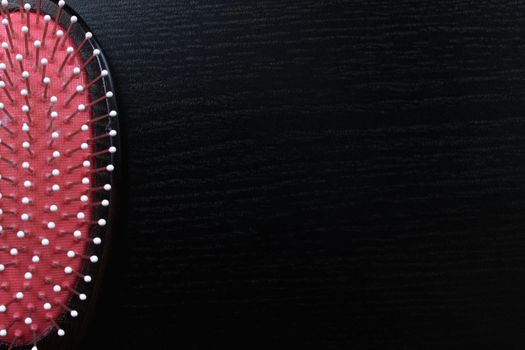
x: 58, y: 158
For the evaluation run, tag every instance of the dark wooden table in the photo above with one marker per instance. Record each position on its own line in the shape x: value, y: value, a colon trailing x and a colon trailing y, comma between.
x: 344, y: 174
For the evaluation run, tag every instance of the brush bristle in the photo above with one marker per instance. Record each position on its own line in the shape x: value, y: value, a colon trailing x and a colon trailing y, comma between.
x: 47, y: 169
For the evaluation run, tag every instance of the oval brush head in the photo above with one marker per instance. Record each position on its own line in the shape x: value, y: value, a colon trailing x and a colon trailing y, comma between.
x: 57, y: 155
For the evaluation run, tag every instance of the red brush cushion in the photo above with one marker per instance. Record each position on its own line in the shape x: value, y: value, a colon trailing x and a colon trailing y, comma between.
x: 36, y: 262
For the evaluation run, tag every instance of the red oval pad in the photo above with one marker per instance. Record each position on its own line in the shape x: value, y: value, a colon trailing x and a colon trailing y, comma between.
x: 27, y: 319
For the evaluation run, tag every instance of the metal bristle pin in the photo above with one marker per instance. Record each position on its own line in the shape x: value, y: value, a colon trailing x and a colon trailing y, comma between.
x: 58, y: 156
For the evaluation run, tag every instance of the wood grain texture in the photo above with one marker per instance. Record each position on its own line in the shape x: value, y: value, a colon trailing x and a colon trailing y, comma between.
x: 344, y: 174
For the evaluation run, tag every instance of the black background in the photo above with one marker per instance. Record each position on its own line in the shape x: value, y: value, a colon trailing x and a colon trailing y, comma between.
x: 338, y: 174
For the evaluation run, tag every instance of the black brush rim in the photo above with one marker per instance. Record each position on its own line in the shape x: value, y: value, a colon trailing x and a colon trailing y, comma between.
x: 78, y: 328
